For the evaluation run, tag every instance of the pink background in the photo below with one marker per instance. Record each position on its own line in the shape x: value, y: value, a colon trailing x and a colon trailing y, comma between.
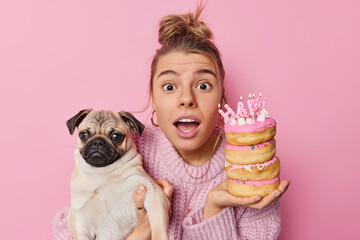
x: 57, y: 57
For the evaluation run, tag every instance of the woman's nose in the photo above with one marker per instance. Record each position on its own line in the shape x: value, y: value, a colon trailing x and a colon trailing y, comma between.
x: 187, y: 99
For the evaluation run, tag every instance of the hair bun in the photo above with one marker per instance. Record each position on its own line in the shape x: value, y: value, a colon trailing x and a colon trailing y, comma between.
x: 178, y: 26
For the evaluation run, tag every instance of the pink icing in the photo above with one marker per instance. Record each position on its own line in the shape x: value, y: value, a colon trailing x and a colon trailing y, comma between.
x: 255, y: 183
x: 260, y: 166
x: 258, y: 126
x: 246, y: 147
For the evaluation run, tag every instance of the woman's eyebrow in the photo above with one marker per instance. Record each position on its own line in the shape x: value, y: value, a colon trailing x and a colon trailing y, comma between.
x: 167, y: 72
x: 204, y: 71
x: 198, y: 72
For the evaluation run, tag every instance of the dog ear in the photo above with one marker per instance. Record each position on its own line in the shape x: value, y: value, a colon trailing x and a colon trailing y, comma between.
x: 73, y: 122
x: 132, y: 122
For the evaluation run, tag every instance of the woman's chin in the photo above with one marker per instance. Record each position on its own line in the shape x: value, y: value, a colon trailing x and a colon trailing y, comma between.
x: 186, y: 147
x: 188, y: 144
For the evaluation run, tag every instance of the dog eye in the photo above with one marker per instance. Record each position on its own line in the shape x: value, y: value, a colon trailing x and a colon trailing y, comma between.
x: 116, y: 137
x: 84, y: 136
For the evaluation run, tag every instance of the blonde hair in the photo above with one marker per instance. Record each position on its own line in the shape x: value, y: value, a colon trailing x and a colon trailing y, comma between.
x: 187, y: 33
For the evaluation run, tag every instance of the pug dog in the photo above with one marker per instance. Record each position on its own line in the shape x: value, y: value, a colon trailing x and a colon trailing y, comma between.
x: 106, y: 173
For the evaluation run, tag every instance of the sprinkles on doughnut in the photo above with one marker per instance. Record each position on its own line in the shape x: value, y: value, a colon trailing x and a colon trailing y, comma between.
x: 251, y: 165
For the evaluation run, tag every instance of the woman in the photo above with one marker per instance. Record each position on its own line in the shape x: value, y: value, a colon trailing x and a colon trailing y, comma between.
x: 186, y: 88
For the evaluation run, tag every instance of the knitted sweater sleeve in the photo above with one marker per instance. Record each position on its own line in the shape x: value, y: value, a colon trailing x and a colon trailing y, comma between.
x: 220, y: 226
x: 61, y: 230
x: 234, y: 223
x: 259, y: 224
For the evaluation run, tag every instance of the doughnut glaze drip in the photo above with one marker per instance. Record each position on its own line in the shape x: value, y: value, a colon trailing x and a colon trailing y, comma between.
x: 255, y: 183
x: 247, y: 147
x: 258, y: 126
x: 248, y: 167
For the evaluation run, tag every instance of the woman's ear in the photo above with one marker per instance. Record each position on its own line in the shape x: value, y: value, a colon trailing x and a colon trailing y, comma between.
x: 152, y: 100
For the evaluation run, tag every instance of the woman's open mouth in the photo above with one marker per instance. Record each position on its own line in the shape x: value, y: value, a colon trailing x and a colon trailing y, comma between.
x: 187, y: 127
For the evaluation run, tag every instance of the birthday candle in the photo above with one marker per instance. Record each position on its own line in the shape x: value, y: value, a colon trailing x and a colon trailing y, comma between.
x: 241, y: 111
x: 250, y: 105
x: 229, y: 115
x: 258, y: 104
x: 230, y: 111
x: 263, y: 103
x: 254, y: 103
x: 249, y: 102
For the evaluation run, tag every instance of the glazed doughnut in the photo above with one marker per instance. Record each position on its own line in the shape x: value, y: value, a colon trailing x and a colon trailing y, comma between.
x: 248, y: 134
x: 259, y: 171
x: 257, y: 153
x: 251, y: 188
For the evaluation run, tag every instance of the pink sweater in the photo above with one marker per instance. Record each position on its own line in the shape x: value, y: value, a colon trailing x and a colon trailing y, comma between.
x: 163, y: 162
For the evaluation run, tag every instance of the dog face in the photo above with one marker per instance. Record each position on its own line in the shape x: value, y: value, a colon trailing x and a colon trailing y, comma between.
x: 104, y: 136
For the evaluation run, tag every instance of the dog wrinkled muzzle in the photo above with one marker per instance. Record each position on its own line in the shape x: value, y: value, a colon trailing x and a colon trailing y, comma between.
x: 100, y: 153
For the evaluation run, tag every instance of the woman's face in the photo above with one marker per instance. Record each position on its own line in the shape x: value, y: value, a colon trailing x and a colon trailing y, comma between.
x: 186, y: 94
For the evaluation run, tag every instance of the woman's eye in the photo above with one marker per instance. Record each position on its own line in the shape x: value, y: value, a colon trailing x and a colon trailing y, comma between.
x: 169, y: 87
x: 84, y: 136
x: 204, y: 86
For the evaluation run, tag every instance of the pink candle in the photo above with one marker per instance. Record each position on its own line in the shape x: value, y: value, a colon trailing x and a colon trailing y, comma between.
x: 263, y: 103
x: 229, y: 116
x: 225, y: 115
x: 250, y: 105
x: 258, y: 104
x: 230, y: 111
x: 254, y: 104
x: 241, y: 111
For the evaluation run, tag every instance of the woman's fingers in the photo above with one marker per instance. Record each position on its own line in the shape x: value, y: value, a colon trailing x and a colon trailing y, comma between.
x: 139, y: 198
x: 284, y: 185
x: 166, y: 186
x: 265, y: 201
x: 273, y: 197
x: 277, y: 193
x: 142, y: 229
x: 254, y: 201
x: 168, y: 190
x: 222, y: 198
x: 239, y: 201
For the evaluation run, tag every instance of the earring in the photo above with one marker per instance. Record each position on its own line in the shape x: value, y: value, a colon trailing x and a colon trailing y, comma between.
x: 152, y: 119
x: 221, y: 118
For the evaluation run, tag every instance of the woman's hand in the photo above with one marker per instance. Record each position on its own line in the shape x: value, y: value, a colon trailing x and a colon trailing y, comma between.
x: 219, y: 198
x: 142, y: 229
x: 168, y: 190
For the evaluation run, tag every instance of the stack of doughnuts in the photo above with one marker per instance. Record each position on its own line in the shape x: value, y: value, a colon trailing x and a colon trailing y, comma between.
x: 251, y: 167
